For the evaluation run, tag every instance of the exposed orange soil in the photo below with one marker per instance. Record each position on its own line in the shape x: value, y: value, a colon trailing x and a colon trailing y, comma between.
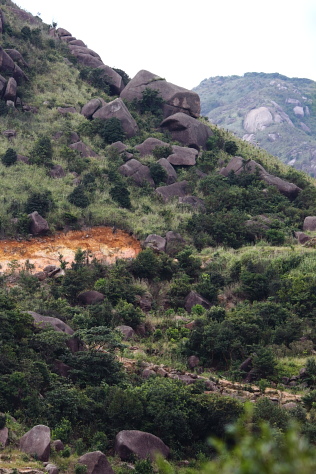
x: 99, y: 242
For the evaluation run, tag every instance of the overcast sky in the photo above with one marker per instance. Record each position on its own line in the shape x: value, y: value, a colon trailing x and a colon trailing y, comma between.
x: 186, y: 42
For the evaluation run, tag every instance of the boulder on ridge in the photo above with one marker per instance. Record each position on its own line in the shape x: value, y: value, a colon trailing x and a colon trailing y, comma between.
x: 96, y: 463
x: 39, y: 225
x: 36, y: 442
x: 130, y: 443
x: 187, y: 130
x: 118, y: 109
x: 179, y: 189
x: 148, y: 146
x: 137, y: 171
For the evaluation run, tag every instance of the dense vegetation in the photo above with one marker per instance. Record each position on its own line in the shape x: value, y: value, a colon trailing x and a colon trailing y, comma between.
x: 238, y: 253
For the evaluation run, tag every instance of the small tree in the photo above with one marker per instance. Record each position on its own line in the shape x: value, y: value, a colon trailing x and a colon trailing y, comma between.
x: 78, y: 197
x: 9, y: 158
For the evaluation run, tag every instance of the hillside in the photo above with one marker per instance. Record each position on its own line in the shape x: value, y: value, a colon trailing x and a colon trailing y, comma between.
x: 157, y: 285
x: 272, y: 111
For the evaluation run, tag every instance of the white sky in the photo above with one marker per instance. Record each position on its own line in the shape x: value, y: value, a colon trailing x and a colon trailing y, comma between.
x: 188, y: 41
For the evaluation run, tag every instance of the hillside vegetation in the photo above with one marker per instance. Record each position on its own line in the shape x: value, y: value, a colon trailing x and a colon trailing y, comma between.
x: 217, y: 310
x: 272, y: 111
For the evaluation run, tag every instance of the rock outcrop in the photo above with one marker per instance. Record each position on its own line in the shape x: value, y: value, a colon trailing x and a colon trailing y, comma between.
x: 84, y: 150
x: 118, y: 109
x: 90, y: 297
x: 179, y: 189
x: 187, y: 130
x: 169, y: 169
x: 139, y: 173
x: 36, y: 442
x: 194, y: 298
x: 38, y: 225
x: 155, y: 242
x: 91, y: 107
x: 183, y: 156
x: 143, y: 445
x: 177, y: 99
x: 309, y: 223
x: 148, y: 146
x: 51, y: 322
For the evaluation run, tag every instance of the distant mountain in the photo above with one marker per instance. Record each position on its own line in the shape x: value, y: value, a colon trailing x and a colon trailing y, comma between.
x: 271, y: 110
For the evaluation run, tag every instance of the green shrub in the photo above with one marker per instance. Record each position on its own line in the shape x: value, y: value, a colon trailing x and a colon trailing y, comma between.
x: 231, y: 147
x: 158, y: 173
x: 162, y: 151
x: 97, y: 78
x: 42, y: 152
x: 40, y: 202
x: 9, y: 158
x: 120, y: 194
x: 110, y: 130
x: 78, y: 197
x: 81, y: 469
x: 151, y: 102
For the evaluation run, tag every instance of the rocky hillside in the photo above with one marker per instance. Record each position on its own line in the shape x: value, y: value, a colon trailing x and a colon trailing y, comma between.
x: 272, y: 111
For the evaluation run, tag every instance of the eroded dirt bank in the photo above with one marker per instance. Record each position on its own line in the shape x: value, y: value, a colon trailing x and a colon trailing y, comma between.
x: 100, y: 243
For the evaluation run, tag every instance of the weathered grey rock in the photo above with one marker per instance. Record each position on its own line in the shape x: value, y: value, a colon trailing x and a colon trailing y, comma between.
x: 63, y: 32
x: 16, y: 56
x: 179, y: 189
x: 139, y: 173
x: 74, y: 48
x: 58, y: 445
x: 90, y: 297
x: 48, y: 321
x: 145, y: 302
x: 77, y: 42
x: 193, y: 361
x: 1, y: 22
x: 38, y: 225
x: 257, y: 119
x: 140, y: 444
x: 91, y: 107
x: 187, y: 130
x: 174, y: 243
x: 37, y: 442
x: 147, y: 373
x: 67, y: 39
x: 115, y: 80
x: 193, y: 201
x: 119, y: 146
x: 6, y: 63
x: 171, y: 172
x: 246, y: 365
x: 183, y: 156
x: 118, y: 109
x: 96, y: 463
x: 9, y: 134
x: 87, y: 59
x: 4, y: 437
x: 84, y: 150
x: 41, y: 276
x: 302, y: 238
x: 10, y: 92
x: 57, y: 171
x: 127, y: 332
x: 309, y: 223
x: 23, y: 159
x: 177, y: 99
x: 289, y: 406
x: 194, y: 298
x: 3, y: 85
x: 51, y: 468
x: 19, y: 75
x: 72, y: 137
x: 66, y: 110
x: 238, y: 165
x: 62, y: 369
x: 148, y: 146
x: 155, y: 242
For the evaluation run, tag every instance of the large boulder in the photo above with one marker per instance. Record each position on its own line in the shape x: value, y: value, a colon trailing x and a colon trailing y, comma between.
x: 148, y: 146
x: 4, y: 437
x: 6, y: 63
x: 177, y: 99
x: 10, y: 92
x: 139, y: 173
x: 129, y: 443
x: 169, y: 169
x: 62, y: 32
x: 194, y: 298
x: 96, y: 463
x: 115, y: 79
x: 77, y: 42
x: 75, y: 49
x: 3, y: 85
x: 118, y: 109
x: 187, y: 130
x: 179, y: 189
x: 16, y: 56
x: 91, y: 107
x: 183, y: 156
x: 51, y: 322
x: 193, y: 201
x: 90, y: 297
x: 309, y: 223
x: 84, y: 150
x: 127, y: 332
x: 238, y: 165
x: 302, y: 238
x: 87, y: 60
x: 38, y: 225
x: 36, y: 442
x: 174, y: 243
x: 155, y: 242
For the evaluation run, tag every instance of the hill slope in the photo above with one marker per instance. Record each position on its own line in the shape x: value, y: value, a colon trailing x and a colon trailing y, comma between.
x: 273, y: 111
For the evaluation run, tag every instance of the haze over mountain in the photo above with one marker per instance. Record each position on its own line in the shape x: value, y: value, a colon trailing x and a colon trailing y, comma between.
x: 272, y: 111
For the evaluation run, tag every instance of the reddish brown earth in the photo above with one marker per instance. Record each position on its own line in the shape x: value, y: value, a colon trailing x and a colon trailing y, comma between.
x: 100, y: 243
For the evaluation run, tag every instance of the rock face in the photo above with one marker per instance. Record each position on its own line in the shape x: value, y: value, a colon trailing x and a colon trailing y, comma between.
x: 16, y: 56
x: 38, y: 224
x: 127, y: 331
x: 309, y: 223
x: 180, y: 189
x: 177, y: 99
x: 257, y: 119
x: 140, y: 444
x: 155, y: 242
x: 4, y: 437
x: 238, y: 166
x: 10, y: 92
x: 96, y: 463
x: 148, y: 146
x: 37, y: 442
x: 183, y: 156
x: 302, y: 238
x: 187, y: 130
x: 118, y: 109
x: 90, y: 297
x: 139, y: 173
x: 84, y: 150
x: 49, y: 321
x: 194, y: 298
x: 171, y: 172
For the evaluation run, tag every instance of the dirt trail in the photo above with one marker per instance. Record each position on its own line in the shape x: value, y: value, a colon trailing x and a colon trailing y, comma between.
x: 100, y: 243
